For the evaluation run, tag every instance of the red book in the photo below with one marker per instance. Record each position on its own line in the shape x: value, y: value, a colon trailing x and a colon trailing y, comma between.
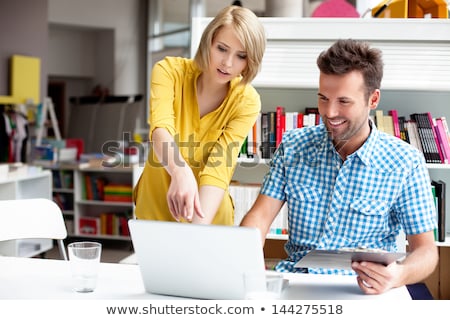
x: 300, y: 120
x: 124, y: 231
x: 89, y: 225
x: 280, y: 124
x: 88, y: 187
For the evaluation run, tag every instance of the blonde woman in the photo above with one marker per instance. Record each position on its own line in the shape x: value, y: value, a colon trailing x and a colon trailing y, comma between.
x: 201, y: 112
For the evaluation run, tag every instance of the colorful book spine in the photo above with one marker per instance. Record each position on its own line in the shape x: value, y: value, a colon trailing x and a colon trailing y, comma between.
x: 272, y: 132
x: 265, y: 143
x: 280, y: 124
x: 441, y: 212
x: 257, y: 136
x: 447, y: 130
x: 300, y: 117
x: 443, y: 141
x: 379, y: 120
x: 435, y: 138
x: 395, y: 122
x: 425, y: 134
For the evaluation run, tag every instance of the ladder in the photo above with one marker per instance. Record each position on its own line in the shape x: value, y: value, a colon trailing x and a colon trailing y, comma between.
x: 47, y: 109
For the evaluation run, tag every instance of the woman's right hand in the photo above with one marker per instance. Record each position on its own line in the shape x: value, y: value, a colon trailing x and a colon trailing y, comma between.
x: 182, y: 196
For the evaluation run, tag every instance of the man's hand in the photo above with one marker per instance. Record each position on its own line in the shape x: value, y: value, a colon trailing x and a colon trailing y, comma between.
x: 374, y: 278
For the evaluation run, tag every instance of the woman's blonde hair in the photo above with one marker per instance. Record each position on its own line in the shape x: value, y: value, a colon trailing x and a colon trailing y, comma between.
x: 250, y: 32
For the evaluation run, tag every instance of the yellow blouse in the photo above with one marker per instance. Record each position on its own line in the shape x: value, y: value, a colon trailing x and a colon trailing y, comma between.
x: 210, y: 144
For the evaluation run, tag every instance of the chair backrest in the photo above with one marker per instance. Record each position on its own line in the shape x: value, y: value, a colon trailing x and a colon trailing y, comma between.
x: 32, y: 218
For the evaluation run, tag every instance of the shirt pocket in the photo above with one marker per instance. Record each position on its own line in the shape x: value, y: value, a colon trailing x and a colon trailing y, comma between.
x: 303, y: 202
x: 368, y: 220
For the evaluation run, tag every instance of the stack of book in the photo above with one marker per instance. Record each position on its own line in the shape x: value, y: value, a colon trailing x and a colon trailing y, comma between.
x: 108, y: 223
x: 118, y: 192
x: 266, y: 133
x: 428, y: 134
x: 244, y: 195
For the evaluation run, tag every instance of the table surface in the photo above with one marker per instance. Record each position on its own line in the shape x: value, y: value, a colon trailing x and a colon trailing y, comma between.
x: 34, y: 278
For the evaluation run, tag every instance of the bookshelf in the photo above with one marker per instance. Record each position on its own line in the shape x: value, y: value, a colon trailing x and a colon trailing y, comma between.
x: 70, y: 193
x: 416, y: 53
x: 102, y: 201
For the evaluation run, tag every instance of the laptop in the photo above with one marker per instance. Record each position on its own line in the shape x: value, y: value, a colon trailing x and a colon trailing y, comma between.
x: 198, y: 261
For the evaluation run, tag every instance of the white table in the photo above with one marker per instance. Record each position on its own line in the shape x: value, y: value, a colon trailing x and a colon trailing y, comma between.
x: 32, y: 278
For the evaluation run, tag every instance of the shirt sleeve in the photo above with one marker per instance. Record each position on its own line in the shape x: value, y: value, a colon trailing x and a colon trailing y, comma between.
x: 416, y: 203
x: 222, y: 159
x: 162, y: 93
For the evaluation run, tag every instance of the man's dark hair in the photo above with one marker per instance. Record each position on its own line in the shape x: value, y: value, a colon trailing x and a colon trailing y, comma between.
x: 349, y: 55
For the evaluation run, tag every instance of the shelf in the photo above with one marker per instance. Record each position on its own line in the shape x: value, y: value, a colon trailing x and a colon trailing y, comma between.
x: 285, y: 237
x: 101, y: 236
x: 273, y: 236
x: 438, y: 166
x: 68, y: 212
x: 127, y: 169
x: 249, y: 162
x: 104, y: 203
x: 63, y: 190
x: 446, y: 243
x: 293, y: 45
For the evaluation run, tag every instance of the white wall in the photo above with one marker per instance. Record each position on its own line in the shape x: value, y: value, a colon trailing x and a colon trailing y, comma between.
x: 66, y: 47
x: 126, y: 18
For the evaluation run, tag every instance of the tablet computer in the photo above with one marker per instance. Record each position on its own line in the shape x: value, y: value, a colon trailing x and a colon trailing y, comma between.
x: 342, y: 258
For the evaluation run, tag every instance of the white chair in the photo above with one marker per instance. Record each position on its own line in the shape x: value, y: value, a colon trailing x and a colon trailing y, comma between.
x: 32, y: 219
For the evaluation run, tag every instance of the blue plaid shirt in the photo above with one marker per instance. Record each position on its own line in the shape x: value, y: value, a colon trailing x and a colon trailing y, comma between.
x: 361, y: 202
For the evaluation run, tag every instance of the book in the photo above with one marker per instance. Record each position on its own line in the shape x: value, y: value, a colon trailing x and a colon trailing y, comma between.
x: 300, y: 117
x: 272, y: 132
x: 265, y: 143
x: 314, y: 116
x: 250, y: 141
x: 442, y: 139
x: 388, y: 124
x: 433, y: 192
x: 445, y: 124
x: 257, y: 136
x: 379, y: 120
x: 403, y: 131
x: 436, y: 140
x: 244, y: 195
x: 280, y: 125
x: 243, y: 150
x: 89, y: 225
x: 291, y: 120
x: 413, y: 135
x: 440, y: 191
x: 426, y: 136
x: 395, y: 122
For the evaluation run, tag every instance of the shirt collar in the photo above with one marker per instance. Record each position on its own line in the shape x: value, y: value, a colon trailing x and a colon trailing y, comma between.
x: 366, y: 150
x: 369, y: 146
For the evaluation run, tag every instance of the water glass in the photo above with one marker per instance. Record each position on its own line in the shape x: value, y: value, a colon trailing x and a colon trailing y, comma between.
x: 84, y: 259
